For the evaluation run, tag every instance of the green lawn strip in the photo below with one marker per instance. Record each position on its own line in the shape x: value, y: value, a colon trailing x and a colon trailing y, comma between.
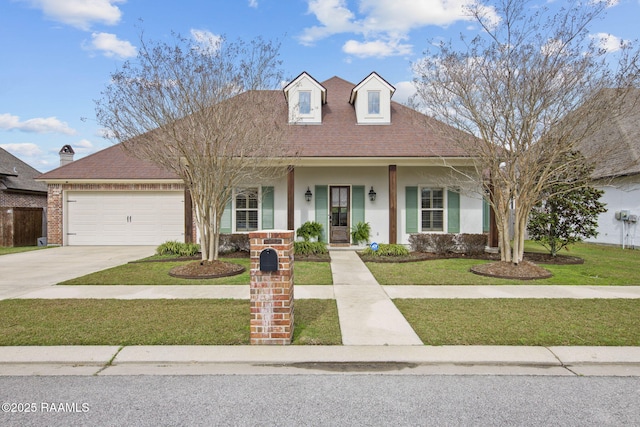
x: 536, y: 322
x: 157, y: 273
x: 152, y: 322
x: 603, y: 266
x: 5, y: 250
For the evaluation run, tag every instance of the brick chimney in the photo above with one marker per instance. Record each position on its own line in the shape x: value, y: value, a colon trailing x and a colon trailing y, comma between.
x: 66, y: 155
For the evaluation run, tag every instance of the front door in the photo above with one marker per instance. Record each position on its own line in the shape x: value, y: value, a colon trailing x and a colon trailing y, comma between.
x: 339, y: 232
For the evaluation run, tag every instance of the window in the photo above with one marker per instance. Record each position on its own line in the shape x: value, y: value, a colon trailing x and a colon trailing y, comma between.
x: 374, y: 102
x: 247, y: 209
x: 304, y: 102
x: 432, y: 209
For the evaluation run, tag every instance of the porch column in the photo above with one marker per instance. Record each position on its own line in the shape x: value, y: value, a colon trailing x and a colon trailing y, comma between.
x: 393, y: 204
x: 290, y: 197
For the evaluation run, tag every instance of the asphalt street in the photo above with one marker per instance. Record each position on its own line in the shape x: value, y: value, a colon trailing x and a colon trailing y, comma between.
x: 320, y: 400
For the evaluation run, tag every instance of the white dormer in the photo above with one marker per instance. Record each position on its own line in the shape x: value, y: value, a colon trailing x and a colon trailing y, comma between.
x: 372, y: 100
x: 305, y: 97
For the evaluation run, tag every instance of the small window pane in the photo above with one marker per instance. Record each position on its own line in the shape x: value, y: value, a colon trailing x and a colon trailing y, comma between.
x: 304, y: 102
x: 374, y: 102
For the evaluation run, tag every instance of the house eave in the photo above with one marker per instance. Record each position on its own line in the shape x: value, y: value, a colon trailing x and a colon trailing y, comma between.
x: 382, y: 161
x: 111, y: 181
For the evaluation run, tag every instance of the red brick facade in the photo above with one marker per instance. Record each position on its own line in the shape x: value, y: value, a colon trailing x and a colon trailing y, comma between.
x: 272, y: 291
x: 22, y: 200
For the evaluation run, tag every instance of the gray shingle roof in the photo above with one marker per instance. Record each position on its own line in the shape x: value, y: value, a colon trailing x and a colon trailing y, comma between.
x: 16, y: 175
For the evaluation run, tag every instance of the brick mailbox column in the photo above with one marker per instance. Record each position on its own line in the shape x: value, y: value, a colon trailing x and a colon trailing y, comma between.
x: 271, y: 287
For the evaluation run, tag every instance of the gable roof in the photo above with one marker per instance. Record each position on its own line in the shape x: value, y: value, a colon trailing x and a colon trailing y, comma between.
x: 323, y: 90
x: 354, y: 91
x: 619, y: 139
x: 16, y: 175
x: 339, y: 136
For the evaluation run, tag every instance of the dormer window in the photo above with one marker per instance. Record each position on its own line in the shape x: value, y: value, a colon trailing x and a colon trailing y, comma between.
x: 304, y: 102
x: 305, y: 97
x: 372, y: 100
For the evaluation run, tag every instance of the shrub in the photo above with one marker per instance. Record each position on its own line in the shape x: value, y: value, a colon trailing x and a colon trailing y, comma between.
x: 472, y: 244
x: 420, y: 243
x: 360, y: 232
x: 176, y: 248
x: 387, y: 250
x: 440, y: 244
x: 310, y: 248
x: 309, y: 230
x: 230, y: 243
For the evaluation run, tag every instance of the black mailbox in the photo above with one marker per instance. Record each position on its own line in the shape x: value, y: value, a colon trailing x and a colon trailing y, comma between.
x: 269, y: 260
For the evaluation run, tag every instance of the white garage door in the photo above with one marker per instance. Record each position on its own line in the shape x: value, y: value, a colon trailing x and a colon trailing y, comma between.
x: 124, y: 218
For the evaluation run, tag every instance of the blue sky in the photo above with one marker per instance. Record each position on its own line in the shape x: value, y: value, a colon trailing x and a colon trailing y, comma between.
x: 57, y: 55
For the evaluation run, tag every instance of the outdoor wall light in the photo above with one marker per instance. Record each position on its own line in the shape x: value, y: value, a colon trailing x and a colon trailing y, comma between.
x: 372, y: 194
x: 308, y: 195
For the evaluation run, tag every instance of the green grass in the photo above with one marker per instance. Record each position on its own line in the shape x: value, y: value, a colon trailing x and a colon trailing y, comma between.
x: 536, y: 322
x: 5, y: 250
x: 157, y: 273
x: 152, y: 322
x: 603, y: 265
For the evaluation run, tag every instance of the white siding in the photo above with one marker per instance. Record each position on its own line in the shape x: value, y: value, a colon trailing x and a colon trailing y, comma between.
x: 621, y: 194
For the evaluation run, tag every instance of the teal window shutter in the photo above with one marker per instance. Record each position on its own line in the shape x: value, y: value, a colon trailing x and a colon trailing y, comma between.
x: 267, y: 208
x: 411, y: 204
x: 357, y: 204
x: 225, y: 222
x: 453, y: 212
x: 485, y: 216
x: 322, y: 208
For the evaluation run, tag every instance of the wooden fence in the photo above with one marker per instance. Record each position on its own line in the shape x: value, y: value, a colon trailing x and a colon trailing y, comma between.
x: 20, y: 226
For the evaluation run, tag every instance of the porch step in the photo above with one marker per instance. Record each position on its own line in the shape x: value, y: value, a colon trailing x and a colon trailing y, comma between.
x: 366, y: 313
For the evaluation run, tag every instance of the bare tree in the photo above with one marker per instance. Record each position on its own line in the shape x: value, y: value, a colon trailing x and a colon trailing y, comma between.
x: 517, y: 87
x: 201, y: 111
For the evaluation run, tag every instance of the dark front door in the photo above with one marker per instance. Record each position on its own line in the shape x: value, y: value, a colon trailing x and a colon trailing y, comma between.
x: 339, y: 232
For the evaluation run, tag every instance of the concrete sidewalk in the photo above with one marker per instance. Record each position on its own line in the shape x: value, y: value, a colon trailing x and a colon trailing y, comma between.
x: 367, y: 314
x: 299, y: 360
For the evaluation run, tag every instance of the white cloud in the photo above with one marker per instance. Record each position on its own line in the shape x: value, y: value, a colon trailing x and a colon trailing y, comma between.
x: 382, y: 23
x: 253, y: 3
x: 377, y: 48
x: 206, y: 41
x: 37, y: 125
x: 111, y: 46
x: 27, y: 149
x: 404, y: 91
x: 608, y: 42
x: 80, y: 13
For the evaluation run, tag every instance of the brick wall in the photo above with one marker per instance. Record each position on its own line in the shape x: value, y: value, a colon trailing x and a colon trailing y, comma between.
x: 55, y: 201
x: 272, y: 291
x: 18, y: 200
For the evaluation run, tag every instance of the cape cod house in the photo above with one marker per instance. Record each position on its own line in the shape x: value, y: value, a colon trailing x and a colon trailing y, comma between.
x: 360, y: 157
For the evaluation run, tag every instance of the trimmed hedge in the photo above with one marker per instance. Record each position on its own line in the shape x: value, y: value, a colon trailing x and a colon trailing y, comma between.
x: 442, y: 244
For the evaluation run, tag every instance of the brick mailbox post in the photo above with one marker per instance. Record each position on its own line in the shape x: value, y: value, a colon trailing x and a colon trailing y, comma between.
x: 271, y: 287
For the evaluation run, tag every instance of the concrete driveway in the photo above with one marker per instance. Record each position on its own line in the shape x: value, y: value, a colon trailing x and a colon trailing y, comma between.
x: 27, y: 271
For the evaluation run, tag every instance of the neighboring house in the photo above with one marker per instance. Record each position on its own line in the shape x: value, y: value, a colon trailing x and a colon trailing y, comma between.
x: 616, y: 151
x: 21, y: 200
x: 360, y: 157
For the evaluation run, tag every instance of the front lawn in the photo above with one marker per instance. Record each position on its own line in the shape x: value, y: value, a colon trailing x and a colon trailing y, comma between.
x: 4, y: 250
x: 152, y: 322
x: 157, y: 273
x: 603, y: 265
x: 535, y: 322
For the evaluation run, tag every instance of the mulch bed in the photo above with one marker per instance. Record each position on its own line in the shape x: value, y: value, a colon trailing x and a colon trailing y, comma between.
x: 526, y: 270
x: 206, y: 270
